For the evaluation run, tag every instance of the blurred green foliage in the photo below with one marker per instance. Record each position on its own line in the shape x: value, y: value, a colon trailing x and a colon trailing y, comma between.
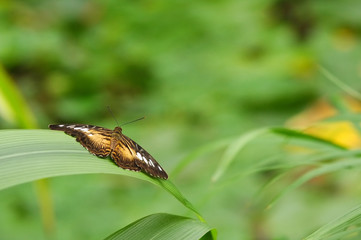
x: 200, y: 72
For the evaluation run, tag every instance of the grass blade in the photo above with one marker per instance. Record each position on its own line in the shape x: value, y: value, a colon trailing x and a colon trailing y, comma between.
x: 327, y: 168
x: 163, y: 226
x: 237, y: 145
x: 232, y: 151
x: 300, y: 135
x: 13, y: 107
x: 349, y: 90
x: 198, y: 152
x: 340, y: 227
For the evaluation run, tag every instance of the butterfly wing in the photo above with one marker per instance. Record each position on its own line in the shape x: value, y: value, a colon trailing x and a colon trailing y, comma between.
x: 122, y: 153
x: 103, y: 142
x: 95, y: 139
x: 129, y: 153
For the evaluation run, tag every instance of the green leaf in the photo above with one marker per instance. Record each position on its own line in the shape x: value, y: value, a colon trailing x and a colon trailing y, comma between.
x: 13, y: 107
x: 198, y: 152
x: 238, y: 144
x: 346, y: 88
x: 327, y: 168
x: 163, y: 226
x: 28, y: 155
x: 345, y: 226
x: 232, y: 151
x: 300, y: 135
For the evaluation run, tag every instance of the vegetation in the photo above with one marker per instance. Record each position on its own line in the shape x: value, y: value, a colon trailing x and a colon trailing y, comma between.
x: 251, y: 107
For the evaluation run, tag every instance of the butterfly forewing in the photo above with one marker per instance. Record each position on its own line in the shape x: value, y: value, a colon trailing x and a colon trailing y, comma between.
x: 102, y: 142
x: 95, y: 139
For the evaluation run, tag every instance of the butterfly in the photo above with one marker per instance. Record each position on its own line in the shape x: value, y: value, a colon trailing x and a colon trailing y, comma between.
x: 103, y: 142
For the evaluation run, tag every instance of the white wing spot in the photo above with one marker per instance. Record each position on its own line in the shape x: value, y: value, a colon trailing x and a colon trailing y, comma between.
x: 145, y: 160
x: 61, y: 125
x: 160, y: 169
x: 151, y: 163
x: 141, y: 158
x: 82, y: 129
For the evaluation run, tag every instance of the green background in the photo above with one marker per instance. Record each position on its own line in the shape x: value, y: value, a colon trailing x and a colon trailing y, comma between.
x: 200, y: 72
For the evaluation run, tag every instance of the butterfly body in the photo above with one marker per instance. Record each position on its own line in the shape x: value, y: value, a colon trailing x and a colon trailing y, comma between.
x: 103, y: 142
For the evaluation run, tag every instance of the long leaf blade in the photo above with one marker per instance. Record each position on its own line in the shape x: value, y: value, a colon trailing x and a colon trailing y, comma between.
x: 341, y: 227
x: 300, y: 135
x: 162, y: 226
x: 13, y: 106
x: 232, y: 151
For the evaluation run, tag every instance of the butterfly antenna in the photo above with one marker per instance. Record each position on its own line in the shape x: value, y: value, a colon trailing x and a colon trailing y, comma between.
x: 133, y: 121
x: 111, y: 112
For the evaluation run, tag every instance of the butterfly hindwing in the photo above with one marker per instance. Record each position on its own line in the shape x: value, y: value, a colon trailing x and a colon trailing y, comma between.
x: 123, y: 156
x: 95, y: 139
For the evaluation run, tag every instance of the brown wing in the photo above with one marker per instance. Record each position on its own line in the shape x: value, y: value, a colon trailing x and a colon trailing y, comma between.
x: 134, y: 157
x: 95, y: 139
x: 122, y: 153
